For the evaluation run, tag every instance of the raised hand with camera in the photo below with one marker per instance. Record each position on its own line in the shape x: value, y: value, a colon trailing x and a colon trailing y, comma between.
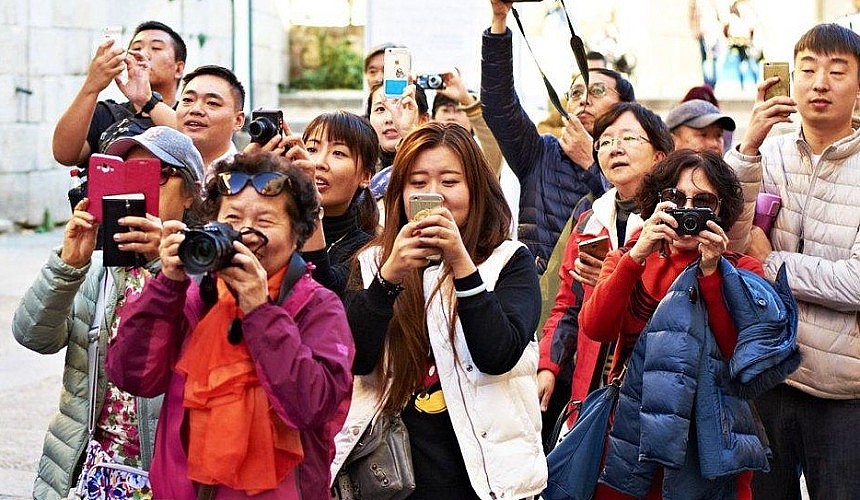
x: 272, y: 134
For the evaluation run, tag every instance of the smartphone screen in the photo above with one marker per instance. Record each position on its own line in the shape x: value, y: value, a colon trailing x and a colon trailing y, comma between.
x: 780, y: 69
x: 397, y: 66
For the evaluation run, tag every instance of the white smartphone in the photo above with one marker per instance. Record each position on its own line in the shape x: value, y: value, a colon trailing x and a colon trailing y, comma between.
x: 115, y: 33
x: 397, y: 66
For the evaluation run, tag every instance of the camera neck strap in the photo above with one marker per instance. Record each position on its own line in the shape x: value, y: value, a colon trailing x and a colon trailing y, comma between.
x: 297, y: 267
x: 576, y: 45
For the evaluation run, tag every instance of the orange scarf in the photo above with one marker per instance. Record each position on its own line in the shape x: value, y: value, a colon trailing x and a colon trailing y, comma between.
x: 235, y: 439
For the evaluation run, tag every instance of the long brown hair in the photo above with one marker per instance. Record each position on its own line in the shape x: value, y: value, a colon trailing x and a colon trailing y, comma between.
x: 488, y: 225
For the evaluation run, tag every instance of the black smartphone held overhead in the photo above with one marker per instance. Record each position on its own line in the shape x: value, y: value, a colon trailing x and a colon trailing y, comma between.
x: 780, y: 69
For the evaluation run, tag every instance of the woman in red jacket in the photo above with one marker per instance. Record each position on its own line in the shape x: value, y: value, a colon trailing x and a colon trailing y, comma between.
x: 629, y: 140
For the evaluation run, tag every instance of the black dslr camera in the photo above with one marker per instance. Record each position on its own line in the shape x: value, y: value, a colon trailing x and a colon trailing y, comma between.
x: 265, y: 124
x: 430, y: 81
x: 691, y: 221
x: 208, y: 248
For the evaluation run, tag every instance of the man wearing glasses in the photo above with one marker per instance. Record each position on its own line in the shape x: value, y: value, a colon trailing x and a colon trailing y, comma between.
x: 554, y: 173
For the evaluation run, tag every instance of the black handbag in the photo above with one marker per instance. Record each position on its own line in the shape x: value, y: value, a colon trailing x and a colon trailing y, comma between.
x: 380, y: 465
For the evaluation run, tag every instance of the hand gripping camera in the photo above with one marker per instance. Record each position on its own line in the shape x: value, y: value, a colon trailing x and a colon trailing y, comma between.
x: 430, y: 81
x: 208, y: 248
x: 265, y: 124
x: 691, y: 221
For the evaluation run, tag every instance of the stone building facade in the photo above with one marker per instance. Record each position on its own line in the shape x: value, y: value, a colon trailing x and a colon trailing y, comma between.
x: 45, y: 50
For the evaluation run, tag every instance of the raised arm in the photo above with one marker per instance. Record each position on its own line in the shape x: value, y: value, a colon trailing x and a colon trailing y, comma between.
x: 69, y: 143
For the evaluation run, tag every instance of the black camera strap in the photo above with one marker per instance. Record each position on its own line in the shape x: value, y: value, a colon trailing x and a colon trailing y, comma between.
x: 576, y: 45
x: 296, y: 269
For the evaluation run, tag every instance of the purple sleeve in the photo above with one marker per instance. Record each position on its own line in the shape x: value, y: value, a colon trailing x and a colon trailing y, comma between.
x: 303, y: 352
x: 140, y: 359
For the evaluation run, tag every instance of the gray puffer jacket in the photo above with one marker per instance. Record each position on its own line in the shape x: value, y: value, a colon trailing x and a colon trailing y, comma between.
x: 56, y: 312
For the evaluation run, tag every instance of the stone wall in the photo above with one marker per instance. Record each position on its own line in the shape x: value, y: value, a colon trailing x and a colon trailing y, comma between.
x: 45, y: 50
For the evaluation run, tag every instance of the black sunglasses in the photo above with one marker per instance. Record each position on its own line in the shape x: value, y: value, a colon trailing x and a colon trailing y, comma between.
x: 167, y: 171
x: 266, y: 183
x: 700, y: 200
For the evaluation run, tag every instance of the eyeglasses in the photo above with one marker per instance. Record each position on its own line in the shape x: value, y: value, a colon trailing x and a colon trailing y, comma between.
x: 625, y: 141
x: 266, y: 183
x: 596, y: 89
x: 700, y: 200
x: 167, y: 171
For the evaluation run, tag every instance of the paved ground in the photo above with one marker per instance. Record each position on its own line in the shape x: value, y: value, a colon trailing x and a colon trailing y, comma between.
x: 29, y: 382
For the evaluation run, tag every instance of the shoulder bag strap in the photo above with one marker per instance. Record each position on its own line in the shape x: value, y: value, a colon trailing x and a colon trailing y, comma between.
x: 93, y: 348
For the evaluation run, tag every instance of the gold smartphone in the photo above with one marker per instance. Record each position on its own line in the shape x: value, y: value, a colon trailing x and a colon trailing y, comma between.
x: 420, y: 204
x: 596, y: 247
x: 780, y: 69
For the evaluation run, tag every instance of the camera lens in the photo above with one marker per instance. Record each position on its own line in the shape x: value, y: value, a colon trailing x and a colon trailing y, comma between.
x: 434, y: 81
x: 691, y: 224
x: 208, y: 249
x: 262, y: 130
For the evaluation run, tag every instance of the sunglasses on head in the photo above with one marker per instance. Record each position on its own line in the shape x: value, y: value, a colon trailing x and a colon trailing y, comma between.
x: 265, y: 183
x: 700, y: 200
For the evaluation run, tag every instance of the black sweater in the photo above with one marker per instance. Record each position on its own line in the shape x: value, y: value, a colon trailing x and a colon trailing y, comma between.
x: 497, y: 325
x: 343, y: 239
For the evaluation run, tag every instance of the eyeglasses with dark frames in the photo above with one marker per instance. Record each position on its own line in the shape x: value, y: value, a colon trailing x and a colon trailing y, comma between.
x: 167, y: 171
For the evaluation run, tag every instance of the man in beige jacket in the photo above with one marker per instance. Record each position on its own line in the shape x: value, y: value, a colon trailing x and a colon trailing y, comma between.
x: 812, y: 419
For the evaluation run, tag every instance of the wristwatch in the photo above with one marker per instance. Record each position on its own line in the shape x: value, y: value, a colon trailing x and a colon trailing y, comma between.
x: 152, y: 102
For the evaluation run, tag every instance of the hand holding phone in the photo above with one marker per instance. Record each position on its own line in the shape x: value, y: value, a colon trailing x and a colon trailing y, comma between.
x: 780, y: 69
x: 115, y: 33
x: 596, y: 247
x: 396, y: 69
x: 420, y: 206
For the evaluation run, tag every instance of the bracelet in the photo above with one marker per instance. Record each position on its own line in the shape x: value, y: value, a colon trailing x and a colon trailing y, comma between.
x: 391, y: 289
x: 476, y: 105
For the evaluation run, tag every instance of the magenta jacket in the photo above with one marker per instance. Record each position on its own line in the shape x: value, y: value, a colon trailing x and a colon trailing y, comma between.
x: 303, y: 352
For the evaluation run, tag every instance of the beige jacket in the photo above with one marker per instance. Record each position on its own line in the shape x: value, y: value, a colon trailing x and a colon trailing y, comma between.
x: 816, y: 235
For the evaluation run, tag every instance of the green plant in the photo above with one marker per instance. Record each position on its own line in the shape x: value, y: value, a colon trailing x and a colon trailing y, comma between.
x: 340, y: 68
x: 47, y: 222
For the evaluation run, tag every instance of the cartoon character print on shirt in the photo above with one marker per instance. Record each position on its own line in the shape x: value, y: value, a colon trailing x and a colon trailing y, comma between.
x: 430, y: 399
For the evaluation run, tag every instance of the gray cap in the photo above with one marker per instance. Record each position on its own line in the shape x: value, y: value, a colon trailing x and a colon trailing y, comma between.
x: 167, y: 144
x: 697, y: 113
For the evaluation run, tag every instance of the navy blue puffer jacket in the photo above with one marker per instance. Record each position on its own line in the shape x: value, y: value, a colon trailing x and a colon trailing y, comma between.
x: 684, y: 406
x: 550, y: 182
